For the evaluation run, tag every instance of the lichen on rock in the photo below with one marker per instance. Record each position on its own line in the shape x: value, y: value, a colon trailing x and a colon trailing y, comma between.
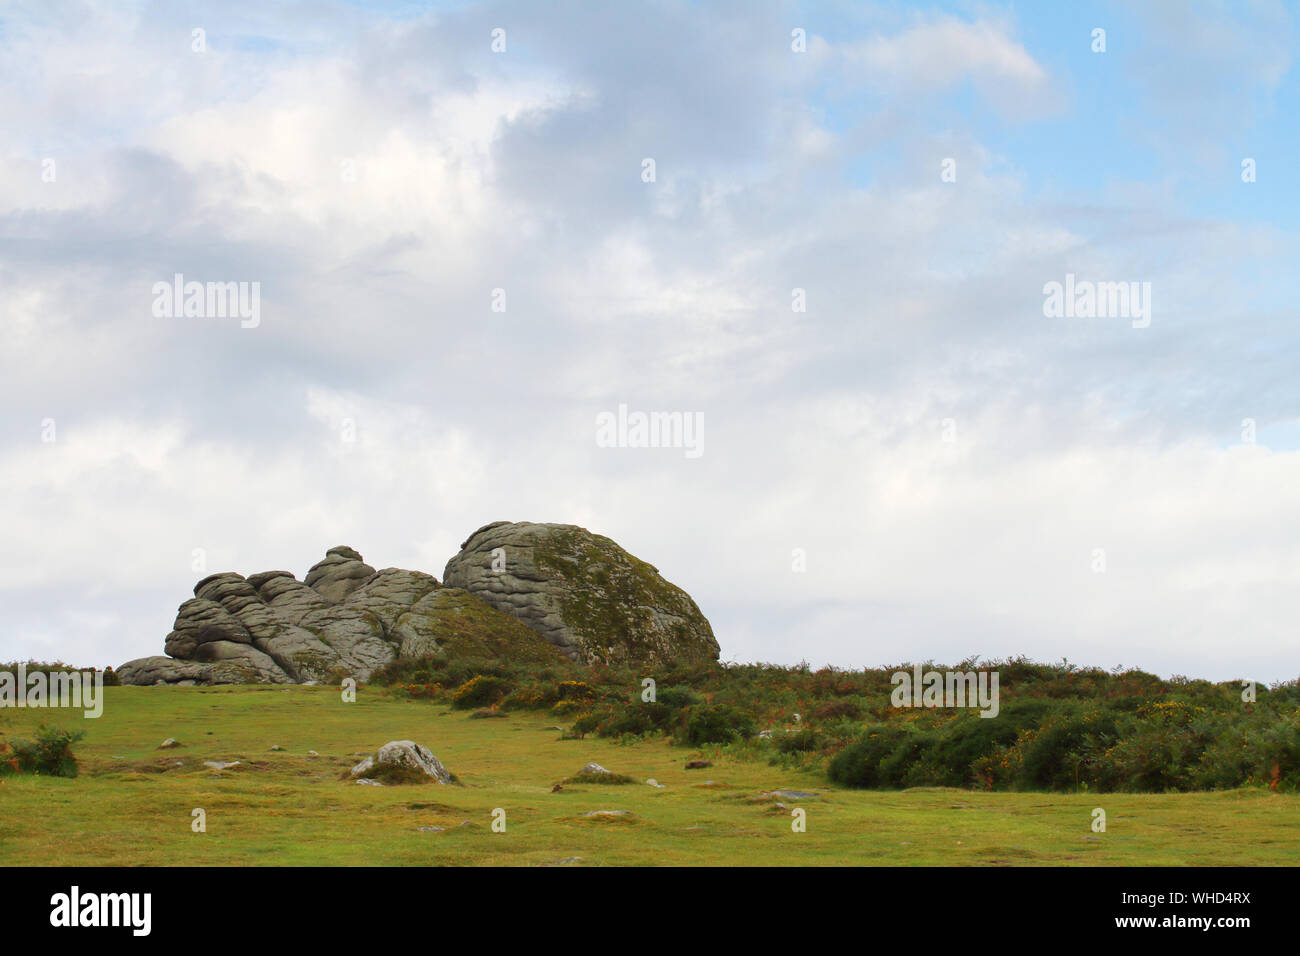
x: 583, y: 593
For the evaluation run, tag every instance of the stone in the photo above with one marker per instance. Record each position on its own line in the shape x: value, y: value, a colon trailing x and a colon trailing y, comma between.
x: 253, y: 666
x: 338, y: 574
x: 451, y: 621
x: 273, y: 629
x: 793, y: 794
x: 403, y: 755
x: 166, y: 670
x: 590, y: 598
x: 199, y: 621
x: 169, y: 744
x: 389, y: 594
x: 592, y: 768
x: 655, y: 783
x: 220, y: 765
x: 564, y: 592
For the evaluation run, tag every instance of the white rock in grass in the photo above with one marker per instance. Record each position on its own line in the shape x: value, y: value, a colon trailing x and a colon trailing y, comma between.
x: 405, y: 754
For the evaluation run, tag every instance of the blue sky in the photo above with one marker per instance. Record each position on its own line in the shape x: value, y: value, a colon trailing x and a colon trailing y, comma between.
x: 379, y: 171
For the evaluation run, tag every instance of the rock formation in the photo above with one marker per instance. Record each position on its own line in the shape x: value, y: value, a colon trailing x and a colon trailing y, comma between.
x: 583, y: 593
x: 515, y: 591
x: 270, y: 628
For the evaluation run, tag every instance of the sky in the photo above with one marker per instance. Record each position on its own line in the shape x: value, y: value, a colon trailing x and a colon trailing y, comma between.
x: 462, y: 263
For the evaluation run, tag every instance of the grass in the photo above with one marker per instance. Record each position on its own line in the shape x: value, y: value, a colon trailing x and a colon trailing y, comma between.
x: 132, y: 806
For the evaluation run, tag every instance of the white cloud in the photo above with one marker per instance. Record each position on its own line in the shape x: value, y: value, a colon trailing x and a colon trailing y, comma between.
x: 939, y: 52
x: 821, y: 427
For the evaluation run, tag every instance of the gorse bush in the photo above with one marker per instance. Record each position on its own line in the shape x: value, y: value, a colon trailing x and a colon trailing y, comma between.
x: 49, y: 754
x: 1059, y: 726
x: 1162, y: 746
x: 719, y: 724
x: 480, y: 691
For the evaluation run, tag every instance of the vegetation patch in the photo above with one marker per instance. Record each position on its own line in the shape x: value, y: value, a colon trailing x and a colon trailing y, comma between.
x: 598, y: 778
x: 49, y: 754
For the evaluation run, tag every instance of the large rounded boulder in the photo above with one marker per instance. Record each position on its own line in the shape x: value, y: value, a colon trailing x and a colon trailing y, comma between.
x: 583, y: 593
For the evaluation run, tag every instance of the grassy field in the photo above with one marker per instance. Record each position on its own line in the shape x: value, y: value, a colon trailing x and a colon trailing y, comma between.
x: 132, y: 804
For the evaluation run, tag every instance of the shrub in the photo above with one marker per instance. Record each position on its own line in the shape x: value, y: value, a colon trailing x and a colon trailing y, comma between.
x: 574, y: 690
x: 480, y: 691
x: 1054, y: 757
x: 604, y: 779
x: 858, y: 764
x: 588, y: 723
x: 836, y: 710
x: 566, y: 708
x: 49, y: 754
x: 632, y: 721
x: 798, y: 741
x: 719, y: 724
x: 968, y: 737
x: 677, y: 698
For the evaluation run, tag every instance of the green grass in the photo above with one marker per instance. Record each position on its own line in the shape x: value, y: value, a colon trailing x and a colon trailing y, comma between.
x: 130, y: 806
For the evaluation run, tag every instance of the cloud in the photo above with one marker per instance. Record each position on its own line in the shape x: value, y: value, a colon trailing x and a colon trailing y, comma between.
x: 380, y: 178
x: 938, y: 53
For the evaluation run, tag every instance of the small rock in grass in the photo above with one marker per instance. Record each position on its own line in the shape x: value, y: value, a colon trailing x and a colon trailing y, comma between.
x: 655, y: 783
x: 403, y: 761
x: 219, y: 765
x: 276, y: 747
x: 369, y: 783
x: 169, y: 744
